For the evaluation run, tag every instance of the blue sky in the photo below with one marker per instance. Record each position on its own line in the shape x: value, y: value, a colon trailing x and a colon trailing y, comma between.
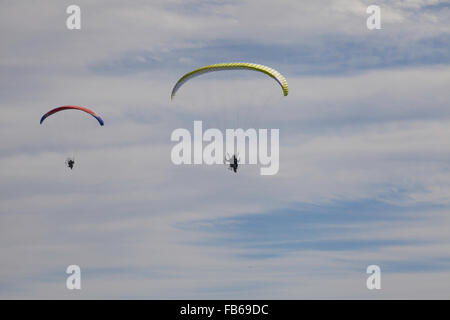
x: 364, y: 157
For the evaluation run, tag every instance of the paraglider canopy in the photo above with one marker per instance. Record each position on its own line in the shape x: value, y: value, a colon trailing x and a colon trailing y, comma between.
x: 92, y: 113
x: 233, y: 66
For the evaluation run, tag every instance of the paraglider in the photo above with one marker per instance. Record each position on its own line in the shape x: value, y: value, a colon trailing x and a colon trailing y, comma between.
x: 70, y: 161
x: 238, y: 115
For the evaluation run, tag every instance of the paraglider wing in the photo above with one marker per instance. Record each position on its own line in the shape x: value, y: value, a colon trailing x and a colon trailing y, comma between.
x: 92, y: 113
x: 233, y: 66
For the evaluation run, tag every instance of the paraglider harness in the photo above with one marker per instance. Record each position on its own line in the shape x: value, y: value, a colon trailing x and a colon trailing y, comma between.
x: 70, y: 162
x: 232, y: 163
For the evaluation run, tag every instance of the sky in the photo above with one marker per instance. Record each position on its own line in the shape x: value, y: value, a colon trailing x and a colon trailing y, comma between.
x: 364, y: 173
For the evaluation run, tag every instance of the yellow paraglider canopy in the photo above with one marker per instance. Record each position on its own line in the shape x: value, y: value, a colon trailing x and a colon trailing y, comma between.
x: 233, y: 66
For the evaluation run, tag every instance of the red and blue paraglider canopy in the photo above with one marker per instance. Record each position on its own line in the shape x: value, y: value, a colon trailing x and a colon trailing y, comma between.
x: 92, y: 113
